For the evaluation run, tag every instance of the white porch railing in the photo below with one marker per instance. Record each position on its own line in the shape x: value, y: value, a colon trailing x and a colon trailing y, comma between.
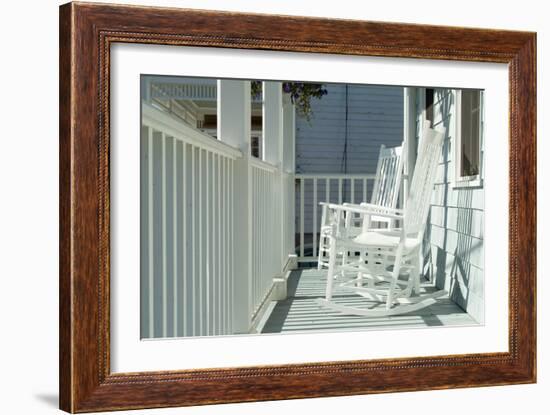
x: 186, y: 228
x: 197, y: 92
x: 187, y: 91
x: 188, y: 231
x: 314, y: 188
x: 266, y: 235
x: 289, y: 197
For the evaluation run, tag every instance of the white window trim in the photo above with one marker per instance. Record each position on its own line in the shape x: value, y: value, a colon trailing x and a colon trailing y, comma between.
x: 466, y: 181
x: 422, y: 104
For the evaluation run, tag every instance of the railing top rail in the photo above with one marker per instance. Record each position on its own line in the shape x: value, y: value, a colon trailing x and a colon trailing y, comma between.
x: 195, y: 92
x: 333, y: 176
x: 171, y: 126
x: 195, y: 89
x: 263, y: 165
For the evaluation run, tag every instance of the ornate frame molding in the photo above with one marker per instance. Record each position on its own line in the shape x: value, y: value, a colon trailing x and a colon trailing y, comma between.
x: 86, y: 33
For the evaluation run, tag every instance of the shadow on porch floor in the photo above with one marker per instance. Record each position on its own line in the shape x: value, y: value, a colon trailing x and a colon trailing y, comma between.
x: 300, y: 312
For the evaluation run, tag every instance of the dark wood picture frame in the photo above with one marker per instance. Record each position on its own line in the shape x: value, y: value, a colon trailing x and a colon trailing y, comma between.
x: 86, y: 33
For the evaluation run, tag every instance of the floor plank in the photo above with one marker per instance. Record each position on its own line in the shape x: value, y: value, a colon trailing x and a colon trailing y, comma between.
x: 300, y: 311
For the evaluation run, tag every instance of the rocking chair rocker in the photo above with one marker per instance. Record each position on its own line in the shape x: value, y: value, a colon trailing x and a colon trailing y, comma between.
x: 387, y: 268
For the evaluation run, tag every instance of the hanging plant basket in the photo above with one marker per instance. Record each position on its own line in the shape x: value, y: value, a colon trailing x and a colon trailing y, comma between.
x: 300, y: 94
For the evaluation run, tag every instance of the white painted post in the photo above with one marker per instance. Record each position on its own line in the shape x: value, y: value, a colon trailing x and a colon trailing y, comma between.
x: 278, y: 120
x: 289, y: 135
x: 288, y: 165
x: 273, y: 122
x: 234, y: 129
x: 409, y: 117
x: 145, y: 85
x: 273, y: 150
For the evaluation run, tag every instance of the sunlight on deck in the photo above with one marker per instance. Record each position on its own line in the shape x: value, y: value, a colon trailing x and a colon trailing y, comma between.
x: 300, y: 312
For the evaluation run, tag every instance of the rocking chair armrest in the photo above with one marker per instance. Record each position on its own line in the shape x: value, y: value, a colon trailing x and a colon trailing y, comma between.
x: 366, y: 210
x: 375, y: 209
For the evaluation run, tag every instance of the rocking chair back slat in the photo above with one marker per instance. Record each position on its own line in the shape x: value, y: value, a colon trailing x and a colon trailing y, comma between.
x: 388, y: 177
x: 419, y: 198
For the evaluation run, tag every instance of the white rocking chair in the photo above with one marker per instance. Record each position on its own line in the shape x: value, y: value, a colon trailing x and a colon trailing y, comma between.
x: 387, y: 269
x: 385, y: 193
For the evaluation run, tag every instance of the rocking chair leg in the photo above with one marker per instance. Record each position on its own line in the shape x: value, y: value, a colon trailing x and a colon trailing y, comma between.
x: 395, y: 276
x: 322, y: 249
x: 417, y: 270
x: 331, y: 264
x: 416, y: 277
x: 344, y: 262
x: 359, y: 282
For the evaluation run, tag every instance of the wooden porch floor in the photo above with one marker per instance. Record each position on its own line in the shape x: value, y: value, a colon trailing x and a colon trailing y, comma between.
x: 300, y: 312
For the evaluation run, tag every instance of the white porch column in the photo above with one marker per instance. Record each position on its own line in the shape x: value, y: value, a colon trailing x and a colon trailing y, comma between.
x: 234, y: 113
x: 145, y: 84
x: 289, y: 135
x: 273, y: 153
x: 409, y: 131
x: 288, y: 169
x: 273, y: 122
x: 234, y: 129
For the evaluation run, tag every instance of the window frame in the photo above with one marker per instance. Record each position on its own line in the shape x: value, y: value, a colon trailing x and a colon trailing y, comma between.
x: 476, y: 180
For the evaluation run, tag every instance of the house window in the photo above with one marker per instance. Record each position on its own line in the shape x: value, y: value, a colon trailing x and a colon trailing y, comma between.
x: 468, y: 138
x: 255, y: 146
x: 429, y: 106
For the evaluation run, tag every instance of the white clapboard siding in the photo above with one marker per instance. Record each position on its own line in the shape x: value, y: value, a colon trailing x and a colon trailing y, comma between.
x: 454, y: 235
x: 186, y: 230
x: 375, y: 117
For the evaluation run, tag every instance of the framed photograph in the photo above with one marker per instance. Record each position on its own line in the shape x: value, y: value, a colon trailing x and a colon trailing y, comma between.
x: 258, y: 207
